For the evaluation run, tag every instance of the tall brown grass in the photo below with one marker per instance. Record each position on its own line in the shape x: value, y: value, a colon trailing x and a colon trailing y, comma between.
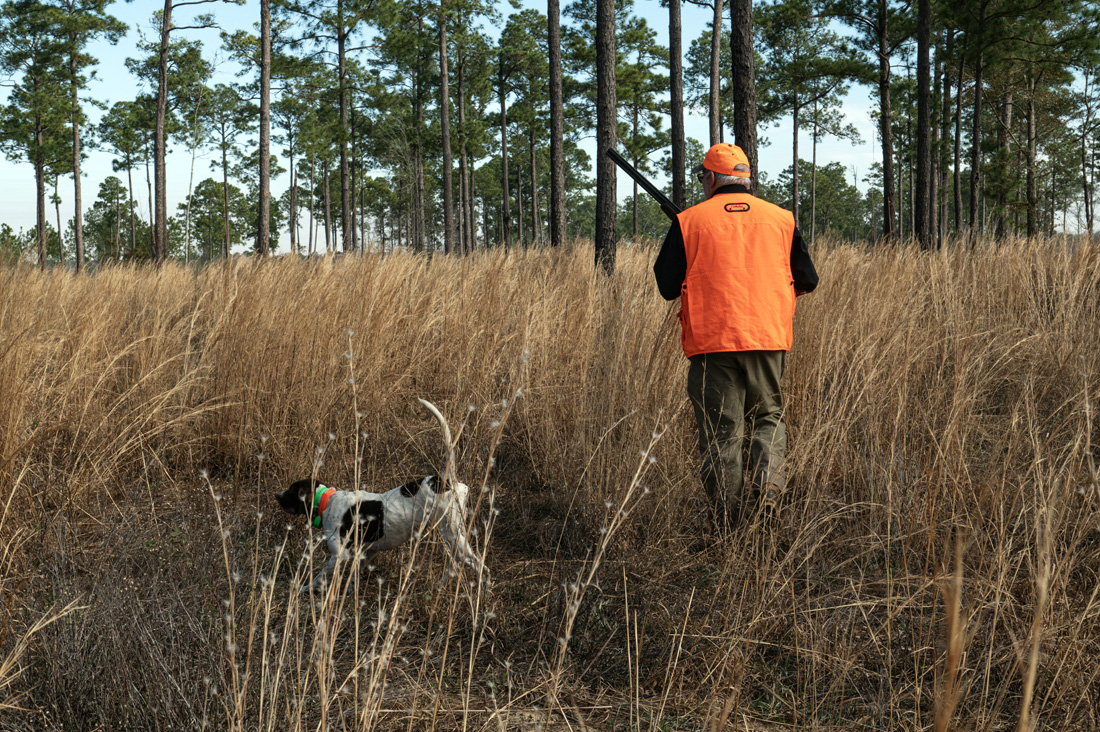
x: 937, y: 562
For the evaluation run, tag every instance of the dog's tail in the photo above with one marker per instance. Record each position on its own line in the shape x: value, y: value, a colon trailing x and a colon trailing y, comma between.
x: 450, y: 475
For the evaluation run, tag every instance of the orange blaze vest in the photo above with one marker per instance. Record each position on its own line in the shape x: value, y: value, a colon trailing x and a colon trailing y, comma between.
x: 738, y: 294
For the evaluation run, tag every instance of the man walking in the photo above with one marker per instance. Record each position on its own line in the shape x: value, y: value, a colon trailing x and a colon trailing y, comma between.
x: 737, y: 264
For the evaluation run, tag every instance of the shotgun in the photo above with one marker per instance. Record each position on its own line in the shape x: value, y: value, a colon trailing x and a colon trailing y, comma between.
x: 670, y: 208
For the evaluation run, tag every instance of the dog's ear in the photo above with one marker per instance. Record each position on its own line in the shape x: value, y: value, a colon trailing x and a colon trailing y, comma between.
x: 290, y: 502
x: 298, y: 497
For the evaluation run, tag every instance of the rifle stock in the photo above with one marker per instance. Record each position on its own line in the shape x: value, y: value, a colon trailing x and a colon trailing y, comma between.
x: 670, y: 209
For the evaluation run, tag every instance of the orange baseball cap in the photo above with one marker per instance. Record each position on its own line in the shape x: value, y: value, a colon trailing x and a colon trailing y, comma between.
x: 723, y: 158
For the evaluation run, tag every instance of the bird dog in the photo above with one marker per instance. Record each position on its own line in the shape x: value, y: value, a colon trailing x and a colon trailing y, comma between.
x: 378, y: 521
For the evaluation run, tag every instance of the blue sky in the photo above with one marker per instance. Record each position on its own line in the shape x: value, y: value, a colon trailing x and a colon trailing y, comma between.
x: 114, y: 83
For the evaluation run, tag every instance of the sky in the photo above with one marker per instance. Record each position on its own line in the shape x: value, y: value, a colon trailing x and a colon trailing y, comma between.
x: 113, y: 82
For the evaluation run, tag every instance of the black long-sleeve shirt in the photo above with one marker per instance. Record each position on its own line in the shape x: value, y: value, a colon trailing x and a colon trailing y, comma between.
x: 670, y: 269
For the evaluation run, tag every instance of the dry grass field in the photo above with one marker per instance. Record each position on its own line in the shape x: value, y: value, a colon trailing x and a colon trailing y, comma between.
x: 936, y: 565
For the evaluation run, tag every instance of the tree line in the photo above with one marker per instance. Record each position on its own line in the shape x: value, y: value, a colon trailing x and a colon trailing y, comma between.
x: 447, y: 126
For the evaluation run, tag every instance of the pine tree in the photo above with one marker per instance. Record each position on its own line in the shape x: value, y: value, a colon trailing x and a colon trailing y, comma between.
x: 120, y: 130
x: 32, y: 123
x: 557, y: 126
x: 875, y: 22
x: 744, y: 82
x: 77, y: 24
x: 323, y: 22
x: 227, y: 115
x: 806, y: 64
x: 676, y: 103
x: 166, y: 26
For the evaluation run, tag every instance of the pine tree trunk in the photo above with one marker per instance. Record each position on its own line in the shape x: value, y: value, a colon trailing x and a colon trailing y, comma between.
x: 1053, y: 191
x: 1086, y: 192
x: 133, y: 215
x: 886, y: 133
x: 445, y: 122
x: 420, y: 228
x: 744, y: 84
x: 714, y: 111
x: 57, y: 210
x: 535, y: 232
x: 419, y: 222
x: 116, y: 230
x: 976, y: 151
x: 295, y: 245
x: 676, y: 88
x: 328, y: 214
x: 78, y: 216
x: 160, y: 208
x: 1032, y: 154
x: 935, y: 213
x: 1004, y: 159
x: 901, y: 199
x: 312, y: 198
x: 557, y: 126
x: 794, y: 165
x: 471, y: 214
x: 506, y: 213
x: 813, y: 181
x: 40, y: 189
x: 382, y: 232
x: 921, y: 226
x: 1016, y: 191
x: 464, y: 203
x: 519, y: 204
x: 606, y: 121
x: 263, y: 227
x: 152, y: 218
x: 190, y: 190
x: 225, y: 193
x: 956, y: 177
x: 353, y: 166
x: 634, y: 162
x: 345, y: 166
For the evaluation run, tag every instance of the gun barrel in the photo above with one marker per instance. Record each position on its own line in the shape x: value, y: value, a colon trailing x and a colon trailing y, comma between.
x: 670, y: 208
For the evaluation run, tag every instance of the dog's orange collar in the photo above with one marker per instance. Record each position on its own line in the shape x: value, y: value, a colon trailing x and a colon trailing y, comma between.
x: 320, y: 503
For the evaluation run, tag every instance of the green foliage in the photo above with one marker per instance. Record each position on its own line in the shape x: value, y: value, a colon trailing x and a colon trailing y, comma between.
x: 107, y: 222
x: 188, y: 74
x: 840, y: 207
x: 32, y: 123
x: 652, y: 222
x: 697, y: 73
x: 14, y: 245
x: 208, y: 222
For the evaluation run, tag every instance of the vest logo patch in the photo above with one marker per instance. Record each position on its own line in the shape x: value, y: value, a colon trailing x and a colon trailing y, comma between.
x: 739, y: 207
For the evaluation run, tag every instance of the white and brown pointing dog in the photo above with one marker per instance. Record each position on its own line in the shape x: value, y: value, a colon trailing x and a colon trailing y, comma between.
x: 378, y: 521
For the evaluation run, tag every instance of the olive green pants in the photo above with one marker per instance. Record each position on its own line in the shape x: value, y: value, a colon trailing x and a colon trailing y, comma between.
x: 726, y: 390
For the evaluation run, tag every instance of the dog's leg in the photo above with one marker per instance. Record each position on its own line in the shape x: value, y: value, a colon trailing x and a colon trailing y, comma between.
x: 454, y: 534
x: 319, y: 580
